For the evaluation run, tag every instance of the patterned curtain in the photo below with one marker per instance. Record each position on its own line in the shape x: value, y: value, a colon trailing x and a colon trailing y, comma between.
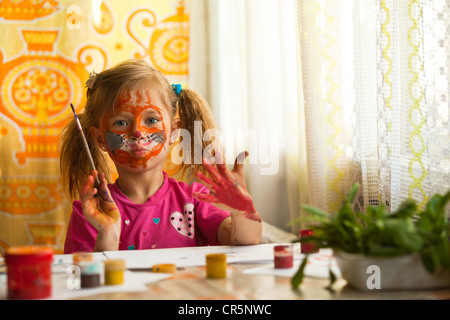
x: 47, y: 50
x: 376, y: 85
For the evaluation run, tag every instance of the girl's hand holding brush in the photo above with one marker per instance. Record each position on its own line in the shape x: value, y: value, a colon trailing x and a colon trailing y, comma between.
x: 101, y: 212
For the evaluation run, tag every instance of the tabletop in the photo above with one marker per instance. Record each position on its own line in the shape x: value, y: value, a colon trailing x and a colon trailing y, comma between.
x: 191, y: 284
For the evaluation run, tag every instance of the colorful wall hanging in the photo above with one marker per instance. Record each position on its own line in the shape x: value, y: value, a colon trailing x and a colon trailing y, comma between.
x: 47, y: 50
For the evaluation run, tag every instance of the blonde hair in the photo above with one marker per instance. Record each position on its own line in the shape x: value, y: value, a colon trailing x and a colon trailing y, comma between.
x: 102, y: 99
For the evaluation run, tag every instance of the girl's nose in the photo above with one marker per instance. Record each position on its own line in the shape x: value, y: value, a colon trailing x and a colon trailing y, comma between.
x: 137, y: 134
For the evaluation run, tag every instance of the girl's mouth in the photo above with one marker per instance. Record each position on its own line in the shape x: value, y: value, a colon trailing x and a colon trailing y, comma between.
x: 139, y: 152
x: 139, y: 146
x: 139, y: 149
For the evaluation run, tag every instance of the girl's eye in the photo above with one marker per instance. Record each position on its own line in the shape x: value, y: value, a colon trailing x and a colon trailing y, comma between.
x: 120, y: 123
x: 151, y: 121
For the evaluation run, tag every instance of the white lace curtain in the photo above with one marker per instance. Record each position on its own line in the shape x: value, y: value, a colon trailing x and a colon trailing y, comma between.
x: 360, y: 93
x: 243, y: 58
x: 375, y: 77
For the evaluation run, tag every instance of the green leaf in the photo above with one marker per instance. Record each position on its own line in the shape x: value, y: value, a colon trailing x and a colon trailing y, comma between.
x: 430, y: 259
x: 332, y: 279
x: 404, y: 235
x: 433, y: 206
x: 353, y: 192
x: 297, y: 279
x: 379, y: 250
x: 364, y: 218
x: 424, y: 225
x: 315, y: 211
x: 406, y: 210
x: 313, y: 219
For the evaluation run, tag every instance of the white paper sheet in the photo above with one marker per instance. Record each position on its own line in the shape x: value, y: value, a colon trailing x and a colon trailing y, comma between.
x: 194, y: 256
x: 133, y: 282
x: 62, y: 274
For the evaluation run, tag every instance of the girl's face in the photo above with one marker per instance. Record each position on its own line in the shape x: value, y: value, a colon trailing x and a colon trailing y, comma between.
x: 137, y: 131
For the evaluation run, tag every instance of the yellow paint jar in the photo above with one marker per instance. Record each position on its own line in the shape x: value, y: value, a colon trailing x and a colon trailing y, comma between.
x: 164, y: 268
x: 114, y: 272
x: 216, y: 265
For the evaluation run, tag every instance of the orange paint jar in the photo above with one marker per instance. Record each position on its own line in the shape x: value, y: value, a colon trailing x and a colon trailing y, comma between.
x: 29, y: 270
x: 79, y: 257
x: 164, y: 268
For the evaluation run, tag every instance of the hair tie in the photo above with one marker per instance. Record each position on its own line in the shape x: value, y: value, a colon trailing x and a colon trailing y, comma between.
x: 91, y: 81
x: 177, y: 89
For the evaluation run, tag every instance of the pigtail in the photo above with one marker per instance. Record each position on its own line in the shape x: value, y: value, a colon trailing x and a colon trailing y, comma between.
x: 195, y: 113
x: 74, y: 162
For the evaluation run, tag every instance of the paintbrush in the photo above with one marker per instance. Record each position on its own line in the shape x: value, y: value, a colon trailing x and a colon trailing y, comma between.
x: 86, y: 146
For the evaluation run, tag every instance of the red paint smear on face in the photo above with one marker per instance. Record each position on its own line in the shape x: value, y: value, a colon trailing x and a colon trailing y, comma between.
x: 126, y: 104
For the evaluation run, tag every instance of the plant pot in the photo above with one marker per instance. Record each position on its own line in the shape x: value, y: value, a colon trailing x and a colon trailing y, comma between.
x: 404, y: 272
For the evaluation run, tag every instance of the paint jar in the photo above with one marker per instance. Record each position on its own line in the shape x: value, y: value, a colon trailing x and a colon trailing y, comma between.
x: 90, y: 274
x: 114, y: 272
x: 78, y: 257
x: 29, y: 270
x: 216, y: 265
x: 307, y: 247
x: 164, y: 268
x: 283, y: 256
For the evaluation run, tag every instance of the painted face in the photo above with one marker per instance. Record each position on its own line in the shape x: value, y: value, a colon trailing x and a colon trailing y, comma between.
x: 136, y: 132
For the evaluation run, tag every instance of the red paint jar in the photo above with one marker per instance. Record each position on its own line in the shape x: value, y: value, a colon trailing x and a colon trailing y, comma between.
x: 29, y: 271
x: 283, y: 257
x: 307, y: 247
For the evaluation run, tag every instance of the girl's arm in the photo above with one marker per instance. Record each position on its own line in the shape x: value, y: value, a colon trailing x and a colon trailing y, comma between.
x: 101, y: 212
x: 228, y: 192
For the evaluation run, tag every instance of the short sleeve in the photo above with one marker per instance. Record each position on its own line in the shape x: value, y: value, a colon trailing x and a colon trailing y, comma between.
x: 81, y: 235
x: 209, y: 218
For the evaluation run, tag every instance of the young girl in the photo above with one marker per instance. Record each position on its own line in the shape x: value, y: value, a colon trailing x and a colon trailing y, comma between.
x: 130, y: 116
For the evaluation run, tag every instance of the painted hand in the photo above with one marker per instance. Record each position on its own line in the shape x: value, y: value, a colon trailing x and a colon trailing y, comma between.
x: 238, y: 170
x: 227, y: 189
x: 100, y: 211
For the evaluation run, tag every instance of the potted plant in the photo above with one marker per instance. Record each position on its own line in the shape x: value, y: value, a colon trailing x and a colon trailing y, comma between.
x: 405, y: 254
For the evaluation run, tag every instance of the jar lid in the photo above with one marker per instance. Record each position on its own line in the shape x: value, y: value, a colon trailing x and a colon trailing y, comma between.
x: 306, y: 232
x: 164, y: 268
x: 91, y: 267
x: 216, y: 257
x: 78, y: 257
x: 33, y: 253
x: 115, y: 264
x: 282, y: 247
x: 285, y: 249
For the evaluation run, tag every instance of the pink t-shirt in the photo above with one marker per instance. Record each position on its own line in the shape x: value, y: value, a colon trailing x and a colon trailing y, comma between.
x: 172, y: 217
